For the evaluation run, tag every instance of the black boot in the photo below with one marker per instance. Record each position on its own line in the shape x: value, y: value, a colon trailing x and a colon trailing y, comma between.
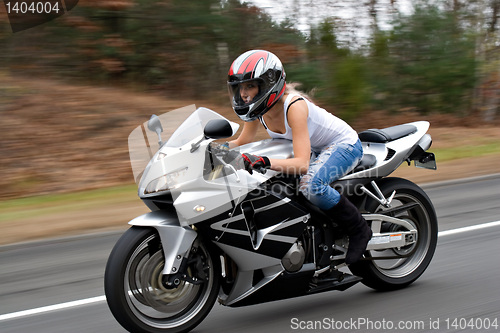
x: 349, y: 218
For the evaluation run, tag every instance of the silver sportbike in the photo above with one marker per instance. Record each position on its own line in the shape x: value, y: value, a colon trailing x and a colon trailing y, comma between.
x: 217, y: 232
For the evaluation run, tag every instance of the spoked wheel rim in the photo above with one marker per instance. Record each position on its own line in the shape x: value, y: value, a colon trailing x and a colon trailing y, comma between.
x: 411, y: 256
x: 154, y: 304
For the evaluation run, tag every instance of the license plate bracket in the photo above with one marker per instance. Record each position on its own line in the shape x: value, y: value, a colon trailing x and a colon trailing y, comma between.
x: 426, y: 161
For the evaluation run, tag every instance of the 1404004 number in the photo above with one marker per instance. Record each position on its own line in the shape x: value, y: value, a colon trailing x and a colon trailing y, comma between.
x: 35, y: 7
x: 472, y: 323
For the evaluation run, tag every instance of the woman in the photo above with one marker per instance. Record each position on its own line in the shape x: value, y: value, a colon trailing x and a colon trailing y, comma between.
x: 257, y: 88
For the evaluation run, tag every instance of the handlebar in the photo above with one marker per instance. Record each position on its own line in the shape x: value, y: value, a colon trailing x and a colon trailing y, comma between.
x: 261, y: 170
x: 225, y: 152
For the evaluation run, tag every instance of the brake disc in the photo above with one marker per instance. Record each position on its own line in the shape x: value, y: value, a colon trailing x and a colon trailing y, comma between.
x: 158, y: 296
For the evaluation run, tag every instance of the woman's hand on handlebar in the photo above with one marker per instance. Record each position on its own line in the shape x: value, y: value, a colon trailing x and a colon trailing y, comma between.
x: 257, y: 163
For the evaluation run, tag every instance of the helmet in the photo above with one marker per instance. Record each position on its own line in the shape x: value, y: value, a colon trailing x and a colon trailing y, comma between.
x: 266, y: 71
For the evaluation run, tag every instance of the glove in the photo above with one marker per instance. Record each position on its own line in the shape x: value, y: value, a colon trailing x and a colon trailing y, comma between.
x: 253, y: 162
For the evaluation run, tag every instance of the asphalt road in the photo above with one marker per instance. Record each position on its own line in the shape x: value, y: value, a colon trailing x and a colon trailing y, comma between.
x: 460, y: 291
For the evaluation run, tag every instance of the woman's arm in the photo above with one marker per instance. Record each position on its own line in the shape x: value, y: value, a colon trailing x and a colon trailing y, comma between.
x: 247, y: 134
x: 299, y: 164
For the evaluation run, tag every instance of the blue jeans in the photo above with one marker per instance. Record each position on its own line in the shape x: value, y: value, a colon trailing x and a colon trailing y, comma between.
x: 329, y: 165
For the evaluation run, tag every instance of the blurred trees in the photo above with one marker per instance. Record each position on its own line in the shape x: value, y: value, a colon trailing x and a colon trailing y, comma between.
x: 184, y: 47
x: 441, y: 56
x: 430, y: 60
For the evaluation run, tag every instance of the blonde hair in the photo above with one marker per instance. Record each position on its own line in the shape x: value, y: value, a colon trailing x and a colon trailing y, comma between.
x: 291, y: 88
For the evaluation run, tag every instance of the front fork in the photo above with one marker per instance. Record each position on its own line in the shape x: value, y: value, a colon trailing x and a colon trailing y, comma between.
x: 176, y: 240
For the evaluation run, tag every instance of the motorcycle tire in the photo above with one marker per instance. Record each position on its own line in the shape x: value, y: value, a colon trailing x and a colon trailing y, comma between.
x: 139, y: 300
x: 414, y: 259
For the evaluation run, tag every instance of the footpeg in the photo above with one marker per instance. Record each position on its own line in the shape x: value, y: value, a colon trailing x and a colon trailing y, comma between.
x: 337, y: 281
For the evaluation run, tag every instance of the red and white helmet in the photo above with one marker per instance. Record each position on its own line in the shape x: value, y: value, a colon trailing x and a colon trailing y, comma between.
x: 266, y: 70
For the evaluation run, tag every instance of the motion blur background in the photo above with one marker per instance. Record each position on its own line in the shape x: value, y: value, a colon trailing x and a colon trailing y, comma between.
x: 73, y: 89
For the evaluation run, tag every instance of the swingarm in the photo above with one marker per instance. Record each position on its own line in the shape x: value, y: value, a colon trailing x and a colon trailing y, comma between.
x: 404, y: 235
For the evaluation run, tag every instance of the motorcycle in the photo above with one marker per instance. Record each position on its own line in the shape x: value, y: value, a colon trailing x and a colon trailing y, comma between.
x: 217, y: 232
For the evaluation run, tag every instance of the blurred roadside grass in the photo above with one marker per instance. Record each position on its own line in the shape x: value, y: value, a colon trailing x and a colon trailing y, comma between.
x: 45, y: 205
x: 453, y: 153
x: 22, y: 208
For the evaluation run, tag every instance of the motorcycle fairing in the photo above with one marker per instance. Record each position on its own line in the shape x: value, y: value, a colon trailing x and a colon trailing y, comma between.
x: 257, y: 226
x: 176, y: 240
x: 392, y: 148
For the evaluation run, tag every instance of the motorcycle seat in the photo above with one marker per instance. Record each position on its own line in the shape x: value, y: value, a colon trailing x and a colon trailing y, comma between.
x: 366, y: 162
x: 387, y: 134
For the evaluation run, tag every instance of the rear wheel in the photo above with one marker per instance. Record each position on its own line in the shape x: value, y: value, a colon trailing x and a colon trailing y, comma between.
x: 140, y: 300
x: 412, y: 261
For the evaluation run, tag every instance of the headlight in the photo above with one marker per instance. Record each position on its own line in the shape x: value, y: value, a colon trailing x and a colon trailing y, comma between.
x: 166, y: 182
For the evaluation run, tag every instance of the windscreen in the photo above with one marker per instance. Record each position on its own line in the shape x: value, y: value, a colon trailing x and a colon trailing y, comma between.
x: 179, y: 126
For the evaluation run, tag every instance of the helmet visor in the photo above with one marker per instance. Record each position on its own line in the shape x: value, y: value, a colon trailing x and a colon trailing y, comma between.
x: 245, y: 93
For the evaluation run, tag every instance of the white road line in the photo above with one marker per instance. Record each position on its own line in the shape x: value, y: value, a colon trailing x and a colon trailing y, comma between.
x: 52, y: 308
x: 97, y: 299
x: 469, y: 228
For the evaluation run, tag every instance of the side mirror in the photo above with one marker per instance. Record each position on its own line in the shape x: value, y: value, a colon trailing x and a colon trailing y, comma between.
x: 154, y: 124
x: 218, y: 129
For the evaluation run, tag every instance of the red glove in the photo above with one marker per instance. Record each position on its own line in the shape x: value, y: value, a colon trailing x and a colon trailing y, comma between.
x: 253, y: 162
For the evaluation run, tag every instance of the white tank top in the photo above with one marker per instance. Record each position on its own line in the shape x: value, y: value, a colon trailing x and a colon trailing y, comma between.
x: 324, y: 128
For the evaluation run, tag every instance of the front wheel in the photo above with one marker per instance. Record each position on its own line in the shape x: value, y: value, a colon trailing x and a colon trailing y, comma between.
x: 137, y: 296
x: 411, y: 262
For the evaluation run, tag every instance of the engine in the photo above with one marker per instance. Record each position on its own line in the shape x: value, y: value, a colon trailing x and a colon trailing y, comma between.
x: 294, y: 258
